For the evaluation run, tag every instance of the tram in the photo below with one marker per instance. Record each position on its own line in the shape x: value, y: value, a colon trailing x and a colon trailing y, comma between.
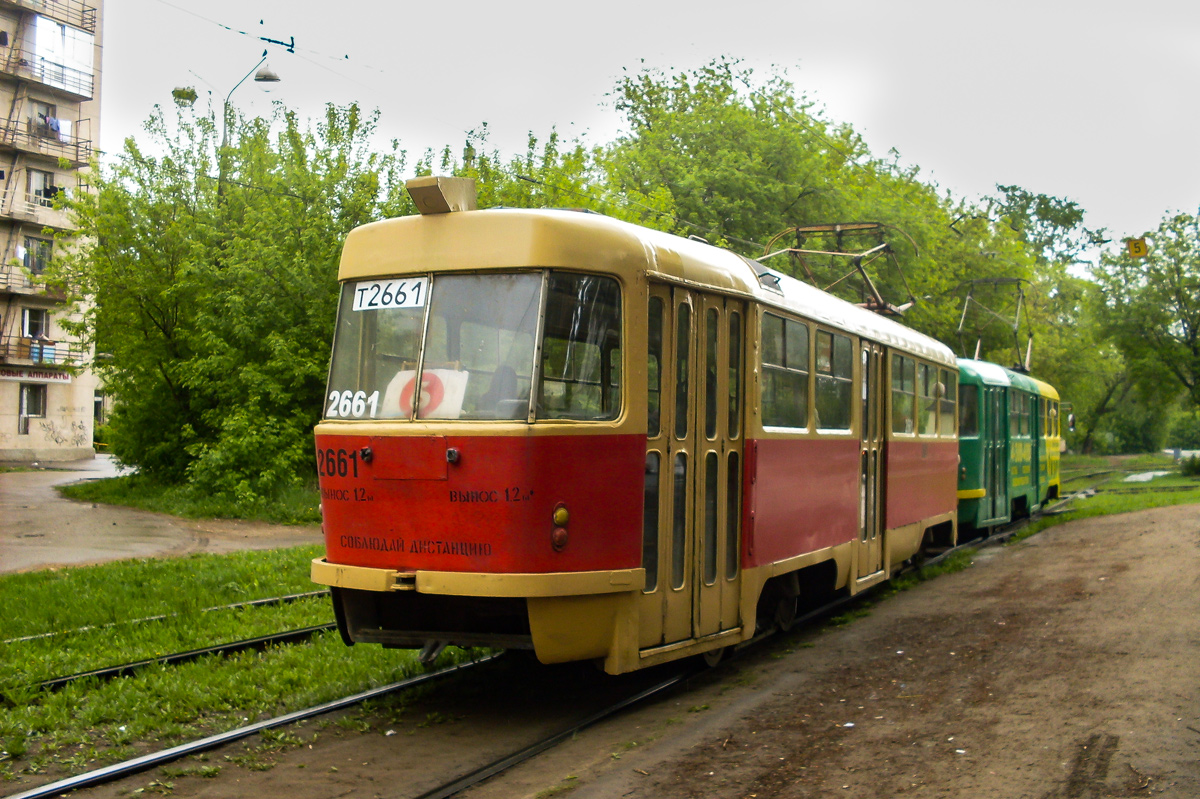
x: 557, y: 431
x: 1010, y: 438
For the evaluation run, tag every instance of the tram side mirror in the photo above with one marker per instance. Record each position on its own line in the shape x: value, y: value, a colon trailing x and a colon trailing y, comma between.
x: 1071, y: 422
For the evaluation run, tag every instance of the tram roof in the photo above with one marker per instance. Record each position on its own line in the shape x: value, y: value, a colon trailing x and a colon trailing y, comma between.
x: 995, y: 375
x: 521, y: 238
x: 1033, y: 385
x: 985, y: 372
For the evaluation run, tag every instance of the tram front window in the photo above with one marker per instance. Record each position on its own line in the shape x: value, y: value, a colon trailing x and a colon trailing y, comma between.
x: 480, y: 338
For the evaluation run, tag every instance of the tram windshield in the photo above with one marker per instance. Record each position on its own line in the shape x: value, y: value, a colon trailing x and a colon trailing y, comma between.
x: 474, y: 340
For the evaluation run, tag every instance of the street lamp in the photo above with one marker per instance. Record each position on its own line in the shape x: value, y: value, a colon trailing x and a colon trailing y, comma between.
x: 262, y: 74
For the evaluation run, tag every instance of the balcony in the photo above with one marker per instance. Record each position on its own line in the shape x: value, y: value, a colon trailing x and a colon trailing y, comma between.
x: 21, y: 351
x: 38, y: 138
x: 33, y: 207
x: 72, y: 12
x: 74, y: 83
x: 17, y: 279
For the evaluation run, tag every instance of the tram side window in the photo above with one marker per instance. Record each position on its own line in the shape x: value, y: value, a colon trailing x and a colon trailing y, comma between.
x: 949, y: 383
x: 785, y: 372
x: 650, y: 521
x: 835, y: 377
x: 904, y: 385
x: 735, y: 374
x: 654, y: 369
x: 582, y: 332
x: 927, y: 406
x: 968, y: 412
x: 1014, y: 414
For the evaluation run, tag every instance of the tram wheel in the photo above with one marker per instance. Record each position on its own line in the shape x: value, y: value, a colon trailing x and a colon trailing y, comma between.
x: 785, y: 612
x: 714, y: 656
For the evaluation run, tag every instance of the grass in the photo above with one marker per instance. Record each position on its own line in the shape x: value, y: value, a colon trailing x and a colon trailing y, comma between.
x: 92, y: 722
x: 295, y: 505
x: 60, y: 600
x: 1106, y: 504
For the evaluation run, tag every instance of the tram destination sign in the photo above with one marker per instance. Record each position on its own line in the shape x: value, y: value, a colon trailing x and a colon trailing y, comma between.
x: 27, y: 374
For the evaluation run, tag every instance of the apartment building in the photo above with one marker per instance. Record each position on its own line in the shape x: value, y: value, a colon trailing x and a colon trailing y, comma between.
x: 50, y: 58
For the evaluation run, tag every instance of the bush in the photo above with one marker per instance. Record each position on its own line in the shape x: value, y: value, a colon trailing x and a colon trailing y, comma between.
x: 1190, y: 466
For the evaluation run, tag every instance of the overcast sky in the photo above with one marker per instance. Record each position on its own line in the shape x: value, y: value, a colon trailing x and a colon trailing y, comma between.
x: 1095, y: 102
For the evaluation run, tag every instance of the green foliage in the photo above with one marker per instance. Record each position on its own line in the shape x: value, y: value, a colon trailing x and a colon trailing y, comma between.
x: 1185, y: 432
x: 1151, y: 308
x: 213, y: 274
x: 718, y: 153
x: 212, y: 268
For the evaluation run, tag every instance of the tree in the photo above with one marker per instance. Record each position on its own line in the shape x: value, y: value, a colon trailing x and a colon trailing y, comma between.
x: 213, y: 298
x: 1151, y: 308
x: 721, y: 154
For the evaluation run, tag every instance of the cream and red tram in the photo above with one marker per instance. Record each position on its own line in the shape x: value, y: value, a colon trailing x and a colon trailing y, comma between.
x: 558, y: 431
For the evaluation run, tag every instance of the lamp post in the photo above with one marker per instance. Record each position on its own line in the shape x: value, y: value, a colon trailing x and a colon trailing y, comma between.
x: 262, y: 74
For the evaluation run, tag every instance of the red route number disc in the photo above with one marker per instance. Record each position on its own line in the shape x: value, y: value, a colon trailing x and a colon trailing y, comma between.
x: 432, y: 394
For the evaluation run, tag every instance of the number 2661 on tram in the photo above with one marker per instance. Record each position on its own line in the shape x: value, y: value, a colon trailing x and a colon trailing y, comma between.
x: 556, y: 431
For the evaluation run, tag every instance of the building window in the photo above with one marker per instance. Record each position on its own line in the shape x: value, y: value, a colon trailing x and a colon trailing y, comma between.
x: 44, y: 122
x: 37, y: 254
x: 33, y: 406
x: 64, y: 56
x: 41, y: 188
x: 35, y: 326
x: 35, y: 323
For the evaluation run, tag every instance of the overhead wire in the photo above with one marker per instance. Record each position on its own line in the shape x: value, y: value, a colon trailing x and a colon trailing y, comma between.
x: 621, y: 201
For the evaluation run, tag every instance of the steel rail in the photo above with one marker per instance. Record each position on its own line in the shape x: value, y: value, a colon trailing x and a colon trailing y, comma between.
x: 253, y: 603
x: 128, y: 767
x: 126, y: 669
x: 482, y: 773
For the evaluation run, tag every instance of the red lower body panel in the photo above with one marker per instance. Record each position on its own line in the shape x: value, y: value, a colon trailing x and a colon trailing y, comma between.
x: 802, y: 495
x: 488, y: 507
x: 922, y: 480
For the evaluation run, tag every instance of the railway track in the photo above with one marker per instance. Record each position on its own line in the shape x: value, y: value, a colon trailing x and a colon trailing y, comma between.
x: 249, y: 644
x: 253, y: 603
x: 476, y: 775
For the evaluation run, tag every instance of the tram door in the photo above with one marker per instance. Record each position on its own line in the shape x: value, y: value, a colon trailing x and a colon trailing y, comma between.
x: 1035, y: 447
x: 995, y: 453
x: 691, y: 530
x: 870, y: 544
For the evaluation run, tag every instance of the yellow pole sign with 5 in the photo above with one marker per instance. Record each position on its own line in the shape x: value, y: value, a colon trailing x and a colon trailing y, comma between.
x: 1137, y: 248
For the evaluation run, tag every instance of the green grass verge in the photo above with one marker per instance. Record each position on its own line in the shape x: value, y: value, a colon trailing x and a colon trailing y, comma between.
x: 1107, y: 504
x: 60, y: 600
x: 90, y: 723
x: 296, y: 505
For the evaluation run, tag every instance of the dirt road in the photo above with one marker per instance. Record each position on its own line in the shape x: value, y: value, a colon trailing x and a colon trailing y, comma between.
x: 1063, y: 667
x: 40, y: 529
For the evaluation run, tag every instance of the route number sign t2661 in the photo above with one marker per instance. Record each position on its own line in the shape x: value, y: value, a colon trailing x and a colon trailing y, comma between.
x: 378, y: 295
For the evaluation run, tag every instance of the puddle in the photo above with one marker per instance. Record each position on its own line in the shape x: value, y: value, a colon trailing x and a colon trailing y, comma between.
x: 1143, y: 477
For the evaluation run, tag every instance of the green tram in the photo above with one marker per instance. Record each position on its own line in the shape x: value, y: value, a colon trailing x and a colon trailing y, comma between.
x: 1009, y: 439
